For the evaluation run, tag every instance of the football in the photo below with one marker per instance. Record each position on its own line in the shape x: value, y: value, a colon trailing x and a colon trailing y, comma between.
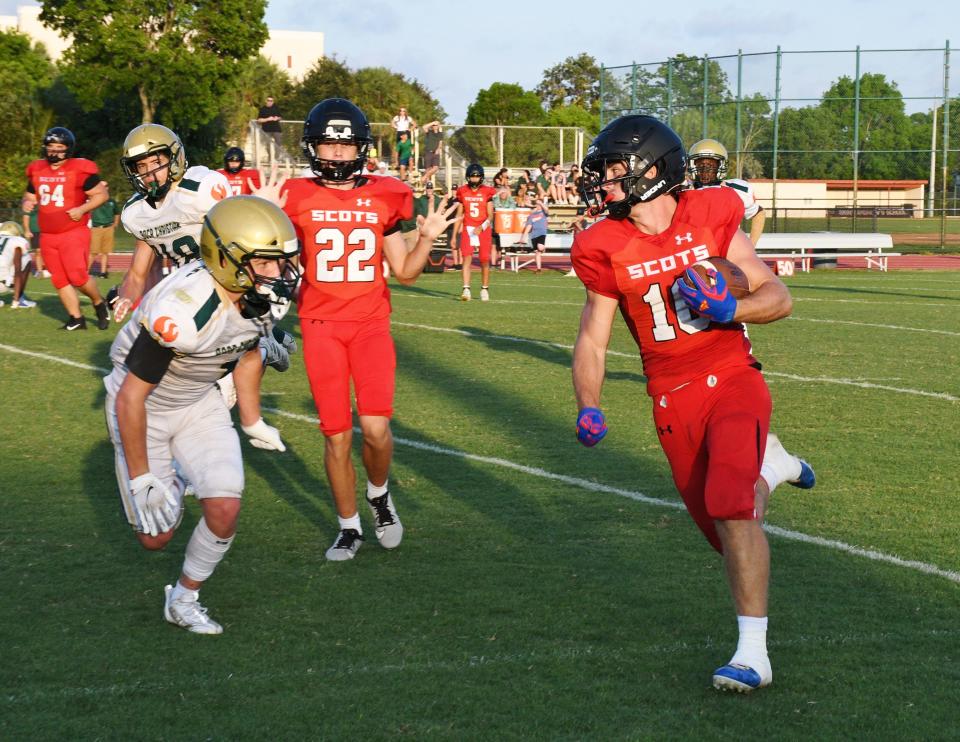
x: 736, y: 279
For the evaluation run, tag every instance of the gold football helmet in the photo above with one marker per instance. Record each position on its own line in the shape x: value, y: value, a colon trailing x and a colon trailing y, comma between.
x: 11, y: 229
x: 240, y: 229
x: 153, y: 139
x: 707, y: 173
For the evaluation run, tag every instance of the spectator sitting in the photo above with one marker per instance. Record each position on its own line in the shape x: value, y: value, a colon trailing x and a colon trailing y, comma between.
x: 573, y: 185
x: 525, y: 179
x: 543, y: 180
x: 523, y: 196
x: 502, y: 178
x: 558, y: 185
x: 502, y: 200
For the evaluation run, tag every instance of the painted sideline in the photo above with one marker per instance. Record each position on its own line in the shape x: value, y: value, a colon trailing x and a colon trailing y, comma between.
x: 585, y: 484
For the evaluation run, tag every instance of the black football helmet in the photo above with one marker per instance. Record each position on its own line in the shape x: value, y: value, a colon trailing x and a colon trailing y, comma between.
x: 336, y: 120
x: 640, y: 142
x: 474, y: 170
x: 58, y: 135
x: 231, y: 157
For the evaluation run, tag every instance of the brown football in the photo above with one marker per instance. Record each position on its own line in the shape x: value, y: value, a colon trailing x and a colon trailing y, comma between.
x: 736, y: 279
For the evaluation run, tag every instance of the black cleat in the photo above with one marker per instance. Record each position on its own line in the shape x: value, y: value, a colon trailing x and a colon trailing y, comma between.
x: 103, y: 315
x: 75, y: 323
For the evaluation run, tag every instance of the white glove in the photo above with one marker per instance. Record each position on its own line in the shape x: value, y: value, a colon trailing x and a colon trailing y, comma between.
x: 264, y: 436
x: 157, y: 507
x: 121, y: 308
x: 485, y: 226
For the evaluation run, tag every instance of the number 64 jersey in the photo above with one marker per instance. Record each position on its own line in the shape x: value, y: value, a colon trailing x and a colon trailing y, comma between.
x: 172, y: 228
x: 613, y: 258
x: 341, y: 236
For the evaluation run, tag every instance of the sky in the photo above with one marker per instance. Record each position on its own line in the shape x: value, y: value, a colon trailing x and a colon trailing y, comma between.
x: 458, y: 48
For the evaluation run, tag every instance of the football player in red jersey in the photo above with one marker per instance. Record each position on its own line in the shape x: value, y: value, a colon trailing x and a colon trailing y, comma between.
x: 348, y: 225
x: 475, y: 225
x: 65, y: 189
x: 243, y: 180
x: 711, y: 405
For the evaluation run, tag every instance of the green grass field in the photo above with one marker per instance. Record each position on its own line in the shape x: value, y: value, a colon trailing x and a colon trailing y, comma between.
x: 543, y: 590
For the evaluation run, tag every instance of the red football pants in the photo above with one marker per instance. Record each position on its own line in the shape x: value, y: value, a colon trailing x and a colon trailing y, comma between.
x: 714, y: 432
x: 65, y: 255
x: 486, y: 245
x: 335, y: 352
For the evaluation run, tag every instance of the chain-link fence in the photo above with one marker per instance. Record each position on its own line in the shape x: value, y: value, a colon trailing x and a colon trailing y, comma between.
x: 494, y: 147
x: 869, y: 123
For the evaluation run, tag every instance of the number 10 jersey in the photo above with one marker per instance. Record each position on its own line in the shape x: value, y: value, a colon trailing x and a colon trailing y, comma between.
x: 341, y: 236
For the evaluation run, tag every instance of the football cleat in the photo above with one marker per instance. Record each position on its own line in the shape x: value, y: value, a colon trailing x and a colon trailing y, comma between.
x: 807, y: 479
x: 465, y: 295
x: 389, y: 528
x: 74, y: 323
x: 346, y: 546
x: 103, y: 315
x: 739, y: 678
x: 23, y: 303
x: 187, y: 612
x: 484, y: 295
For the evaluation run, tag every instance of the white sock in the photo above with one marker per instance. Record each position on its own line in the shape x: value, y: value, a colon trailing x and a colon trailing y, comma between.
x: 179, y: 590
x: 752, y: 645
x: 778, y: 466
x: 352, y: 522
x: 377, y: 491
x: 204, y: 552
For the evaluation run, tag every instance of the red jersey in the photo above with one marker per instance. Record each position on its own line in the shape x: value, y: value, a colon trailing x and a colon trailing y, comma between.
x: 238, y: 180
x: 615, y: 259
x: 60, y: 190
x: 475, y: 203
x: 341, y: 244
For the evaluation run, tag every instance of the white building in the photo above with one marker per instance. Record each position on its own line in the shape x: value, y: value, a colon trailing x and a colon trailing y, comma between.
x: 292, y: 51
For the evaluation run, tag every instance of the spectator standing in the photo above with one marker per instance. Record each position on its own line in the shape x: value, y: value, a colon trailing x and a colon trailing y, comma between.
x: 269, y: 119
x: 31, y: 231
x: 104, y: 220
x: 535, y: 230
x: 432, y: 149
x: 403, y: 122
x: 404, y: 153
x: 64, y: 189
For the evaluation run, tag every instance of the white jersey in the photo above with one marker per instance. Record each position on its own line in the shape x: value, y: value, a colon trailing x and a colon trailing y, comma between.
x: 173, y: 227
x: 745, y: 191
x: 8, y: 244
x: 190, y: 313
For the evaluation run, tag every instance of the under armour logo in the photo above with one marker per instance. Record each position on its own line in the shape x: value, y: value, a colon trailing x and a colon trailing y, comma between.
x: 681, y: 238
x: 363, y: 202
x: 664, y: 431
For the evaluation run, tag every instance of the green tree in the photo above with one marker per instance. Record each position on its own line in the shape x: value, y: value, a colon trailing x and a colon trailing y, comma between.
x: 504, y: 104
x: 259, y: 78
x: 178, y: 56
x: 327, y: 78
x: 575, y: 81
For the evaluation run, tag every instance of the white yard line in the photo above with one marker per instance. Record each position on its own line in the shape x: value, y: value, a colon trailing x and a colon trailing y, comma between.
x: 585, y: 484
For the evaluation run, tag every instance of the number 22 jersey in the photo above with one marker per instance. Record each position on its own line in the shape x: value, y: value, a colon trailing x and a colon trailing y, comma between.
x: 341, y: 236
x: 613, y: 258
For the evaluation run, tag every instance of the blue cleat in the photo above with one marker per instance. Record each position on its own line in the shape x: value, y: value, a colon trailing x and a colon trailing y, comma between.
x: 739, y: 678
x: 807, y: 478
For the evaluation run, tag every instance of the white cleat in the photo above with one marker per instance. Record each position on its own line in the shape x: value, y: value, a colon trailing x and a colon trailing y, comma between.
x: 484, y: 295
x: 389, y: 528
x: 465, y: 295
x: 187, y: 612
x: 346, y: 546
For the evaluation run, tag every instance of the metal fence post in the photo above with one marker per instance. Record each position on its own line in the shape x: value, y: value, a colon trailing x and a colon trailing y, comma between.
x: 706, y: 83
x: 856, y: 136
x: 739, y: 105
x: 670, y: 92
x: 944, y: 169
x: 602, y: 76
x: 776, y: 134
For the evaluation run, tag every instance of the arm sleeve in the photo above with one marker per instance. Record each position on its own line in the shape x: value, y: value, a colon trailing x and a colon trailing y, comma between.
x: 147, y: 359
x: 91, y: 182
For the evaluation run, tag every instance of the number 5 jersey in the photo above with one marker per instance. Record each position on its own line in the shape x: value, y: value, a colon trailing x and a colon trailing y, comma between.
x: 341, y: 237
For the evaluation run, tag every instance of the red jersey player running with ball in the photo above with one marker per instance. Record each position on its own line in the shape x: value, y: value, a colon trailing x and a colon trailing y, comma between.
x: 711, y: 405
x: 348, y: 224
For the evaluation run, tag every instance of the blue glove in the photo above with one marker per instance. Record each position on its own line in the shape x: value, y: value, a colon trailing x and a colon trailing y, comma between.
x: 591, y: 426
x: 715, y: 303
